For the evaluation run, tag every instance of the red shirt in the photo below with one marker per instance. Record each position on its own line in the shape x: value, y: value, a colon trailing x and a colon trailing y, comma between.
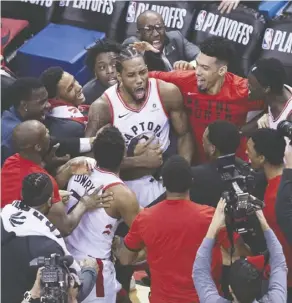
x: 230, y: 104
x: 270, y: 214
x: 172, y: 231
x: 15, y: 168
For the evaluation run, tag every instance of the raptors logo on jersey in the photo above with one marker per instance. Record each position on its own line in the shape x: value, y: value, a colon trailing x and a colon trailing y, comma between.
x: 151, y: 119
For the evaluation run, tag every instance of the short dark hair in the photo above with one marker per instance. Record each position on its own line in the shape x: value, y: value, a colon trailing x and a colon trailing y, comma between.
x: 50, y: 78
x: 270, y: 144
x: 37, y: 188
x: 245, y: 281
x: 224, y: 136
x: 101, y: 46
x: 177, y: 175
x: 109, y: 148
x: 22, y: 89
x: 127, y: 53
x: 219, y: 48
x: 270, y: 72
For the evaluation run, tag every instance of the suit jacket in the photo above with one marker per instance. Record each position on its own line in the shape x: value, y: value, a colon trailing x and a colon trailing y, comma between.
x: 176, y: 48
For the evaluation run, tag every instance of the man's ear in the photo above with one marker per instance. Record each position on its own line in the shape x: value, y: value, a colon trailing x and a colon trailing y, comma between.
x: 119, y: 77
x: 23, y: 105
x: 222, y: 70
x: 267, y: 90
x: 37, y: 147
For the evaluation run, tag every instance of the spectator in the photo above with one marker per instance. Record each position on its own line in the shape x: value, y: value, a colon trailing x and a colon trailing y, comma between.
x: 284, y: 198
x: 266, y: 81
x: 168, y: 47
x: 211, y: 92
x: 246, y: 279
x: 7, y: 79
x: 266, y: 149
x: 171, y: 243
x: 27, y: 234
x: 32, y: 140
x: 65, y: 118
x: 30, y: 101
x: 101, y: 61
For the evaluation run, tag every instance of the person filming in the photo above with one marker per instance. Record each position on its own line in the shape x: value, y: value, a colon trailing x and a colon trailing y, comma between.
x: 246, y: 274
x: 27, y: 234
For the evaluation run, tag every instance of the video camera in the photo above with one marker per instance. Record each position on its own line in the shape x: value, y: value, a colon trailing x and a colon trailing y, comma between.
x: 285, y: 129
x: 239, y: 203
x: 54, y: 277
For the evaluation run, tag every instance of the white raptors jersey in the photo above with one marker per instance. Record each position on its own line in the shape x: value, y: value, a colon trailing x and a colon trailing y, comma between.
x: 274, y: 121
x: 140, y: 124
x: 94, y: 234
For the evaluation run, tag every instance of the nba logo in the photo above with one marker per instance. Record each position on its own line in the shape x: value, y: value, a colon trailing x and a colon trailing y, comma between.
x: 200, y: 20
x: 268, y: 38
x: 131, y: 14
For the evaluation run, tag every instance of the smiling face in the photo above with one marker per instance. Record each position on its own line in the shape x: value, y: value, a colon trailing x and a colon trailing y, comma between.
x: 105, y: 68
x: 70, y: 90
x: 208, y: 71
x: 134, y: 78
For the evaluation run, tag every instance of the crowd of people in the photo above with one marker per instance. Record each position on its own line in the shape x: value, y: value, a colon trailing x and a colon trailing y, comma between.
x: 126, y: 173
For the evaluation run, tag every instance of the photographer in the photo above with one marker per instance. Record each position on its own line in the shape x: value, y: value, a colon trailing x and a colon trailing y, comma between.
x: 221, y: 139
x: 246, y: 279
x: 266, y: 149
x: 27, y: 234
x: 284, y: 198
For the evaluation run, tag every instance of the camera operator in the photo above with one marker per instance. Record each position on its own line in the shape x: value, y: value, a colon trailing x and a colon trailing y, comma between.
x: 266, y: 149
x: 246, y: 274
x: 284, y: 198
x: 27, y: 234
x: 221, y: 139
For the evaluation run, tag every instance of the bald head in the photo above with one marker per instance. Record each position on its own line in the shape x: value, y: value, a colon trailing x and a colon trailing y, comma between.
x: 151, y: 29
x: 28, y: 134
x: 145, y: 16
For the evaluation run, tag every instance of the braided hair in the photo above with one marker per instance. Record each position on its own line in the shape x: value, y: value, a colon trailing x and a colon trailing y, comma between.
x: 127, y: 53
x: 37, y: 188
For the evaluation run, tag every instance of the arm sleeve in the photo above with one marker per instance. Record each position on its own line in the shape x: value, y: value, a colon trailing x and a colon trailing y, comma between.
x: 69, y: 146
x: 190, y: 50
x: 172, y: 77
x: 88, y: 278
x: 133, y: 240
x: 277, y: 291
x: 284, y: 204
x: 202, y: 278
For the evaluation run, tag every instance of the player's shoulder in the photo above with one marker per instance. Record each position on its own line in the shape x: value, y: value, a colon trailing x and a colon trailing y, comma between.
x: 239, y: 84
x: 204, y: 212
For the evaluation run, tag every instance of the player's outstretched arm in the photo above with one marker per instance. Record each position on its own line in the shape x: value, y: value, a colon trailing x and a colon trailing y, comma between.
x: 173, y: 103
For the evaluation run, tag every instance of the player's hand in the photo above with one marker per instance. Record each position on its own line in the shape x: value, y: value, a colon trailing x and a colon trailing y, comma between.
x: 263, y: 122
x: 94, y: 200
x: 141, y: 147
x: 143, y: 46
x: 52, y: 160
x: 82, y: 165
x: 183, y: 65
x: 73, y: 289
x: 228, y: 6
x: 89, y: 262
x: 65, y: 195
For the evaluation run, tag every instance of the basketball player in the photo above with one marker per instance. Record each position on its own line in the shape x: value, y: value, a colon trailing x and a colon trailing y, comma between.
x: 266, y: 81
x: 141, y: 107
x: 94, y: 234
x: 211, y: 92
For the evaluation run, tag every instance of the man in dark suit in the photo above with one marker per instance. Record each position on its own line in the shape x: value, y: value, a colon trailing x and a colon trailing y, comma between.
x: 170, y: 47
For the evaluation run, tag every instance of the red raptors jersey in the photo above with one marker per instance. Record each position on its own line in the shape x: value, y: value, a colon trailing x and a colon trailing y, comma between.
x: 230, y: 104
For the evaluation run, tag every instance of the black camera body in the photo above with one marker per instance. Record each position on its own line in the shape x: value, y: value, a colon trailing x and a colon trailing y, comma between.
x: 239, y: 204
x: 285, y: 129
x: 54, y: 278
